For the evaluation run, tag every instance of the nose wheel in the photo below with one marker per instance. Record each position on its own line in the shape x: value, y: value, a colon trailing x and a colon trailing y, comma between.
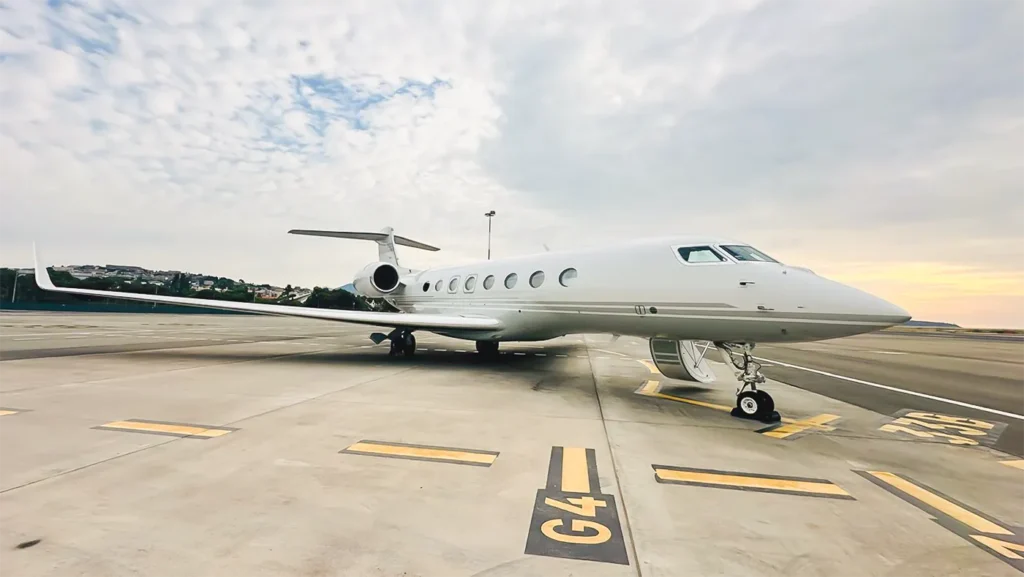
x: 756, y: 405
x: 751, y: 403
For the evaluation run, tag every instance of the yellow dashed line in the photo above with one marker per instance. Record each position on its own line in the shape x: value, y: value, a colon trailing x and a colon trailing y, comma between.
x: 733, y: 480
x: 951, y: 509
x: 425, y: 453
x: 1016, y: 464
x: 173, y: 429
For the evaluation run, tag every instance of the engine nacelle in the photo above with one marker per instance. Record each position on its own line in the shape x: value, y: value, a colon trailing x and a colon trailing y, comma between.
x: 681, y: 360
x: 376, y: 279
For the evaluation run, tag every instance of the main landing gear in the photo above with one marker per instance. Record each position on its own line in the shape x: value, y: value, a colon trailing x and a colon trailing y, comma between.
x: 750, y: 402
x: 487, y: 348
x: 402, y: 343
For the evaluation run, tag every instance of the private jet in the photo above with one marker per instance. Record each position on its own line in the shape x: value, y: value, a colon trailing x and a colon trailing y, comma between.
x: 684, y: 294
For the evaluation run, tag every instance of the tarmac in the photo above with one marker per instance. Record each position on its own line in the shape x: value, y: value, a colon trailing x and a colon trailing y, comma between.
x: 137, y: 444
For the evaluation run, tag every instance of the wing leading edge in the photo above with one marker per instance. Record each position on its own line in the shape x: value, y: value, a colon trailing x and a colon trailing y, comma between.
x: 403, y: 320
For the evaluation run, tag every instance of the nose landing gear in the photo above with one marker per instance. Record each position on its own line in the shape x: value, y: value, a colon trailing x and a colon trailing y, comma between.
x: 751, y: 403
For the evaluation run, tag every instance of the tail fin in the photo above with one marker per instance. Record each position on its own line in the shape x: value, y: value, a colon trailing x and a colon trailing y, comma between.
x: 386, y: 241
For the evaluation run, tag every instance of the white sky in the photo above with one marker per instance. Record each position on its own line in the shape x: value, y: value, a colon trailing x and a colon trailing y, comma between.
x: 878, y: 143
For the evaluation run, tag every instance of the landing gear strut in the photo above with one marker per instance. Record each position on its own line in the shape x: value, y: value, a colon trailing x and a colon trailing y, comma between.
x: 750, y: 402
x: 487, y: 348
x: 402, y: 343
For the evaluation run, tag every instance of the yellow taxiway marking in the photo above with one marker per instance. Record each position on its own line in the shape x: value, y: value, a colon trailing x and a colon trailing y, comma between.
x: 1017, y: 464
x: 1001, y: 547
x: 575, y: 476
x: 653, y: 389
x: 972, y: 520
x: 177, y: 429
x: 819, y: 422
x: 650, y: 366
x: 7, y: 412
x: 423, y: 453
x: 749, y: 481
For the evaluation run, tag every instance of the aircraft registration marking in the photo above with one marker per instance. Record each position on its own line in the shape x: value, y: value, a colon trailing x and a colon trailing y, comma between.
x: 1006, y: 544
x: 942, y: 428
x: 457, y: 456
x: 749, y: 482
x: 166, y: 428
x: 572, y: 519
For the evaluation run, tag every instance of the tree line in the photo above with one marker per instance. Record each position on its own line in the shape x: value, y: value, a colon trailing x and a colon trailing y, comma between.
x: 16, y: 287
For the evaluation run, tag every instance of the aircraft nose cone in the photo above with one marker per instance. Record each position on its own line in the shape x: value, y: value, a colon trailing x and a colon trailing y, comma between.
x: 894, y: 314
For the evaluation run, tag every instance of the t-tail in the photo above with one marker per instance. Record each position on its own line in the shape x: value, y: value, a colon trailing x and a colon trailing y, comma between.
x: 385, y: 239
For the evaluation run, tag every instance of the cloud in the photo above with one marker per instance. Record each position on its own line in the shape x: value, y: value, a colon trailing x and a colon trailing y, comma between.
x: 192, y: 134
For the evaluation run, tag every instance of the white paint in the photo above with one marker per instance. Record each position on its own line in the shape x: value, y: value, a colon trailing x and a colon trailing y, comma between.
x: 898, y: 390
x: 887, y: 352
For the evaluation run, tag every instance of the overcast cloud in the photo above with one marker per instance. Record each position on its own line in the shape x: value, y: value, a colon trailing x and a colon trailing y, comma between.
x: 879, y: 143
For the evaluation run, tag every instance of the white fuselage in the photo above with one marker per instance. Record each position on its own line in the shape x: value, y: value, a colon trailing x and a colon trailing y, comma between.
x: 647, y: 289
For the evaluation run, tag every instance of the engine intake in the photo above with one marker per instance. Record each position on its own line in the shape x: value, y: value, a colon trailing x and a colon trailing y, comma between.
x: 681, y: 360
x: 376, y: 279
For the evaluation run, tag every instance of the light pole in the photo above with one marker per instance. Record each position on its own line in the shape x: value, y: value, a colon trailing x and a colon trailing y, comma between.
x: 489, y: 215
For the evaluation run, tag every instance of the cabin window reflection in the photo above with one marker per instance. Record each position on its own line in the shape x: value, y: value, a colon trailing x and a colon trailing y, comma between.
x: 489, y: 282
x: 510, y: 280
x: 699, y: 254
x: 747, y: 253
x: 537, y: 279
x: 567, y: 276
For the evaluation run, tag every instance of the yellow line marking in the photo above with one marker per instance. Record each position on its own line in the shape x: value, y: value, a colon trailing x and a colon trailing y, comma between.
x: 951, y: 509
x: 574, y: 470
x: 818, y: 422
x: 1016, y: 464
x: 650, y: 366
x: 6, y: 412
x: 163, y: 428
x: 824, y: 487
x: 1002, y: 547
x: 653, y: 388
x: 420, y: 452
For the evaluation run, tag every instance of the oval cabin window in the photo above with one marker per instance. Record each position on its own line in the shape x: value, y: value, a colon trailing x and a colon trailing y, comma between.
x: 537, y: 279
x: 567, y: 276
x: 489, y: 282
x: 510, y: 280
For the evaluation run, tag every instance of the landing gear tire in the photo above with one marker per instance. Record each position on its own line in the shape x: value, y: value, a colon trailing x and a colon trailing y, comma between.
x: 487, y: 348
x: 403, y: 344
x: 756, y: 405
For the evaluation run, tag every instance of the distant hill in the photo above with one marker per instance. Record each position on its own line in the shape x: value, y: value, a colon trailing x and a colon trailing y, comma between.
x: 930, y: 324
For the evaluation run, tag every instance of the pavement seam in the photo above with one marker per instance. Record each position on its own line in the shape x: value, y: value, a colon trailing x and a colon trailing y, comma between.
x: 615, y: 465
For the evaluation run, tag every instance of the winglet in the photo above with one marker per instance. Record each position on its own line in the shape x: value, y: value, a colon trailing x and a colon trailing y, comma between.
x: 42, y: 276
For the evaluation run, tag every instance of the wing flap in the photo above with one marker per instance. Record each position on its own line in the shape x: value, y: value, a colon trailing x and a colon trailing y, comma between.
x: 404, y: 320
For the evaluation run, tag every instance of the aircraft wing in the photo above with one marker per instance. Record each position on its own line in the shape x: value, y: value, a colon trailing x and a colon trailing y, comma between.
x: 404, y: 320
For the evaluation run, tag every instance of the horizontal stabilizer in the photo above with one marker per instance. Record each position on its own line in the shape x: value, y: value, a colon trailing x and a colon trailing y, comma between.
x: 376, y: 236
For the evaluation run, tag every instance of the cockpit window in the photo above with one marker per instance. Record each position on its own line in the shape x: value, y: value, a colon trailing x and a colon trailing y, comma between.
x: 747, y: 253
x: 699, y: 254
